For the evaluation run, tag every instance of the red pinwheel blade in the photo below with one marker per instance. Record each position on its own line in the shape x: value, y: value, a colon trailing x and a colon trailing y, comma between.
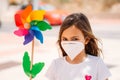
x: 18, y: 20
x: 20, y: 16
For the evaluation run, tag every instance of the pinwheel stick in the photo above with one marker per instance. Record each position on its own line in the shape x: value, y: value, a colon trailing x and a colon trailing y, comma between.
x: 32, y: 56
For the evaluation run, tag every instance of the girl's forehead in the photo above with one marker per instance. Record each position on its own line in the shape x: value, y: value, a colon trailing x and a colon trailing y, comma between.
x: 72, y: 31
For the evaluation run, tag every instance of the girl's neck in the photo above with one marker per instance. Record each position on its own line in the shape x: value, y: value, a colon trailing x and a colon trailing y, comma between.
x: 78, y: 59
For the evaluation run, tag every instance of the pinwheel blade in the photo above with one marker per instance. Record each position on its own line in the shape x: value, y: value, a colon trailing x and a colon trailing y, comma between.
x: 42, y: 25
x: 18, y: 20
x: 35, y: 28
x: 26, y: 12
x: 29, y: 37
x: 37, y: 15
x: 21, y: 32
x: 38, y: 35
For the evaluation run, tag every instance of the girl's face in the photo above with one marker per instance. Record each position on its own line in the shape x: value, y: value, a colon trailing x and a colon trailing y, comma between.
x: 73, y: 34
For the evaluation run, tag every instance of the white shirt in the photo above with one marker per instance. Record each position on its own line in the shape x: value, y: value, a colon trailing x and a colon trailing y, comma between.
x: 92, y: 68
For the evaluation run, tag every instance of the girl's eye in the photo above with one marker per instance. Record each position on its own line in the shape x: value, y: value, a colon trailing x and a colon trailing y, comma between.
x: 75, y: 39
x: 64, y: 39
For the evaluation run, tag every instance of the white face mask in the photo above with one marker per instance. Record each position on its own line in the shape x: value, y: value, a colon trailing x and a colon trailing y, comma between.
x: 72, y: 48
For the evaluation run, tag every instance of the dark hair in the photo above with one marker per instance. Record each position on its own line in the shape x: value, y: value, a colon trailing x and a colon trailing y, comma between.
x: 81, y: 22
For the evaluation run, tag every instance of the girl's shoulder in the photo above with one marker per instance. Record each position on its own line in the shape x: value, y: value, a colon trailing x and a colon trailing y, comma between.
x: 89, y: 59
x: 95, y: 59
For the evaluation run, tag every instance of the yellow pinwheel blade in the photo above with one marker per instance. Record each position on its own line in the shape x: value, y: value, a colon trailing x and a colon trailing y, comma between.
x: 37, y: 15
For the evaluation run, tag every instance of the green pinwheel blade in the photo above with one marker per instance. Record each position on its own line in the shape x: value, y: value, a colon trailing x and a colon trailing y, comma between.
x: 36, y: 69
x: 34, y: 22
x: 26, y: 64
x: 42, y: 25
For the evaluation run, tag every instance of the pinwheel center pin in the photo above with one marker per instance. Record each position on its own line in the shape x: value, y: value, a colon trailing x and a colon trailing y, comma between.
x: 27, y: 26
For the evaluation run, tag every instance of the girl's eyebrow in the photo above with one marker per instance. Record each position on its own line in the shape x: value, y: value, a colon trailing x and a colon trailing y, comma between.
x: 71, y: 37
x: 62, y: 37
x: 75, y: 36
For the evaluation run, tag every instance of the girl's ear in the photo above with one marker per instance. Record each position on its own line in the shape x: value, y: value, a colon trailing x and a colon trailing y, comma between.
x: 87, y: 40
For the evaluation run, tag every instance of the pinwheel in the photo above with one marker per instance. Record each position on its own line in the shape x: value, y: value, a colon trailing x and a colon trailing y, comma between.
x: 30, y: 23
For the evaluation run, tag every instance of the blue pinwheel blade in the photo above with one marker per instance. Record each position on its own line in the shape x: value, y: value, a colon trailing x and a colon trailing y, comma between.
x: 38, y: 35
x: 35, y: 28
x: 29, y: 37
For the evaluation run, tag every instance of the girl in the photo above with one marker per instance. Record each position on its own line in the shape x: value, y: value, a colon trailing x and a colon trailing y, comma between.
x: 80, y: 52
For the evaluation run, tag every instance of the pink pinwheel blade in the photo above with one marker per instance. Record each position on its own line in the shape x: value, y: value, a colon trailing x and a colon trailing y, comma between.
x: 28, y: 38
x: 21, y: 32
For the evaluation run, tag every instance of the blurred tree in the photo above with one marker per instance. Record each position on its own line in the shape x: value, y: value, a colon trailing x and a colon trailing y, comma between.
x: 14, y: 2
x: 87, y: 6
x: 64, y: 1
x: 109, y: 3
